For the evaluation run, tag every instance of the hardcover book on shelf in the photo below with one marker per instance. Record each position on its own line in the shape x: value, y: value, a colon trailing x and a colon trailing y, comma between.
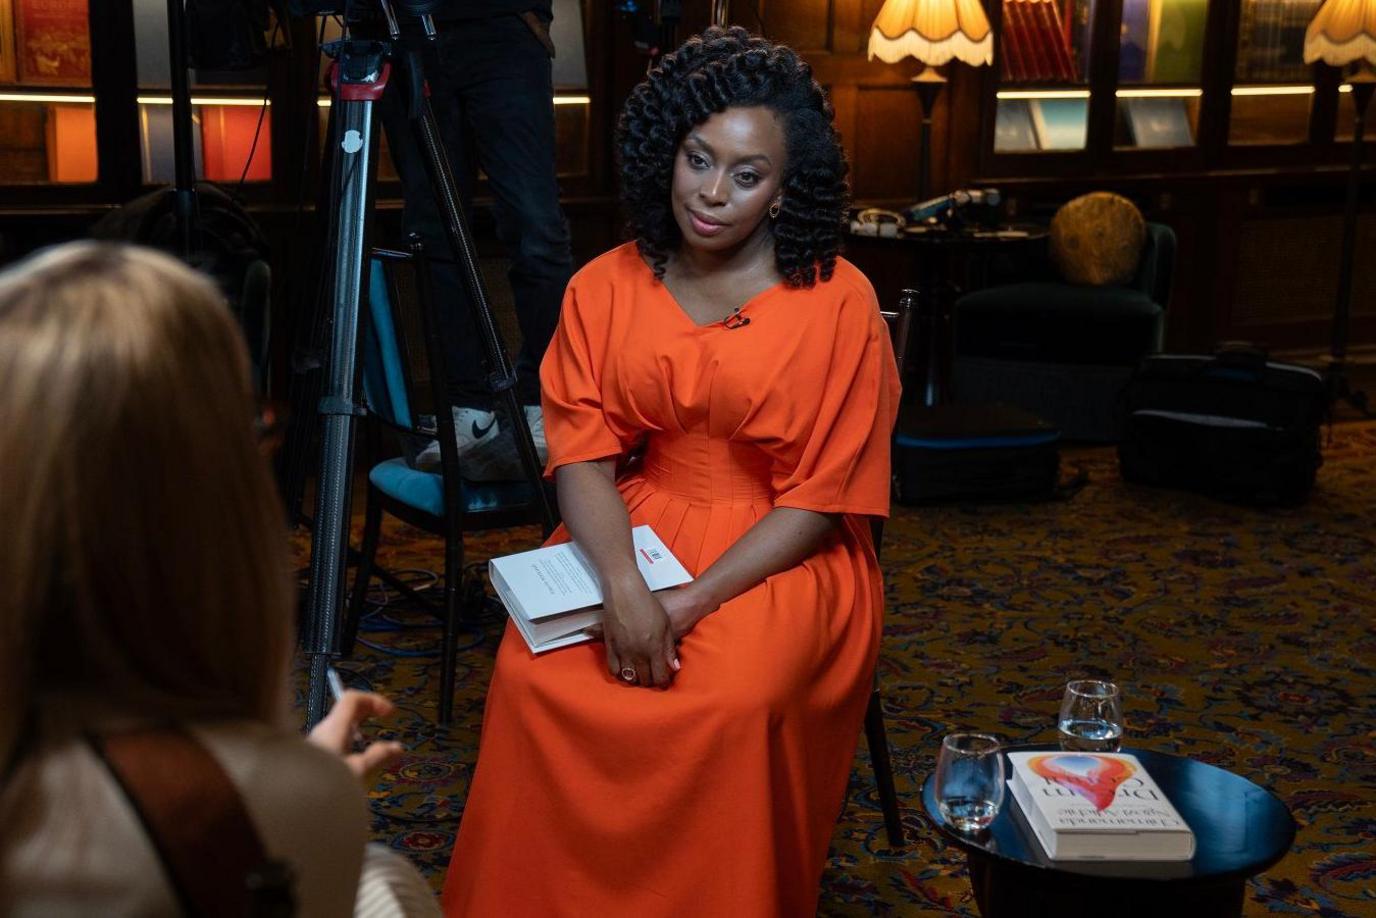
x: 1097, y: 806
x: 552, y: 594
x: 1012, y: 54
x: 229, y: 134
x: 1052, y: 35
x: 9, y: 69
x: 1013, y: 130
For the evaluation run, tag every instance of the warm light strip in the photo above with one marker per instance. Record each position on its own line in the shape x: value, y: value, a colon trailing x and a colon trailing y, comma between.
x: 324, y: 101
x: 1162, y: 93
x: 1273, y: 90
x: 203, y: 100
x: 1159, y: 93
x: 46, y: 97
x: 1044, y: 94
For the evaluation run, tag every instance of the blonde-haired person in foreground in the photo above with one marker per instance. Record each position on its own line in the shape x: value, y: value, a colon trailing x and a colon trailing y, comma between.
x: 146, y: 581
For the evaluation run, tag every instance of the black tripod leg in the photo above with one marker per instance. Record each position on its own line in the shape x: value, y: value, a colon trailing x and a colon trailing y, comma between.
x: 456, y: 227
x: 362, y: 77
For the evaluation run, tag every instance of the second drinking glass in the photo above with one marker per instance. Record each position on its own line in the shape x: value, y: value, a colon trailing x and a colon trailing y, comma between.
x: 1091, y: 717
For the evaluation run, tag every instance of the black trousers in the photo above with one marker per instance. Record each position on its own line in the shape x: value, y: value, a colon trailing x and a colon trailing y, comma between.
x: 492, y: 94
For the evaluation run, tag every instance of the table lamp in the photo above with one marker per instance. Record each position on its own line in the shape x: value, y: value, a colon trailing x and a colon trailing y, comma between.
x: 933, y: 32
x: 1343, y: 32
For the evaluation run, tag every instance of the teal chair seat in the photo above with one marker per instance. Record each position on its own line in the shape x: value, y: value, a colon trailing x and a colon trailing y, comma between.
x: 394, y: 363
x: 424, y: 491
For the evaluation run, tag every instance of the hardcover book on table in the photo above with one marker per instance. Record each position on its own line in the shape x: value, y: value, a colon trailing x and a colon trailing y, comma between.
x: 1097, y: 806
x: 553, y: 594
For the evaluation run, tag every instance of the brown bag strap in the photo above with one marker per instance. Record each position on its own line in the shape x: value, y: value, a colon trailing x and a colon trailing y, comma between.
x: 197, y: 823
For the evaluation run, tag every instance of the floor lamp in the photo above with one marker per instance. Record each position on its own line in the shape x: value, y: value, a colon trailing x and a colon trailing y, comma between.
x: 1343, y: 32
x: 933, y: 32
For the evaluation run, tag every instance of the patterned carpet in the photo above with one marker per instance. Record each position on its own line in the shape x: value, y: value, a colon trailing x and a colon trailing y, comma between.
x: 1241, y: 637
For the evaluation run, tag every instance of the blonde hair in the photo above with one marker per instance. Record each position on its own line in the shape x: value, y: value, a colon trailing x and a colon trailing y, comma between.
x: 144, y: 555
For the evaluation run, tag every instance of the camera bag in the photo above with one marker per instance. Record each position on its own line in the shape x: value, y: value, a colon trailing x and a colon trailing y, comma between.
x: 1233, y: 425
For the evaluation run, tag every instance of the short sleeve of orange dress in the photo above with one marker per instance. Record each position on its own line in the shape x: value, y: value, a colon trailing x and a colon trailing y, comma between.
x: 841, y: 463
x: 577, y: 428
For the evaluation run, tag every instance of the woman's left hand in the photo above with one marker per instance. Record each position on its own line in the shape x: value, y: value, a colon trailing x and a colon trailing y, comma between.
x: 686, y: 606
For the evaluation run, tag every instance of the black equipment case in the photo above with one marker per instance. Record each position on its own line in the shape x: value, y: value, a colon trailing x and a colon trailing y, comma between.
x: 955, y: 452
x: 1233, y: 425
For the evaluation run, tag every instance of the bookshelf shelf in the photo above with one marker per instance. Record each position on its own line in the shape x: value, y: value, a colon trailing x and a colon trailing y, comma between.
x: 1209, y: 84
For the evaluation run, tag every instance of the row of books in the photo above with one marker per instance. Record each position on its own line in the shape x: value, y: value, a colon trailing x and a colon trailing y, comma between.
x: 1270, y: 42
x: 222, y: 141
x: 1035, y: 43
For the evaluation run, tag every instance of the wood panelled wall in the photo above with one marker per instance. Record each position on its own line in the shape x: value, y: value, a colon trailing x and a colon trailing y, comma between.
x: 877, y: 111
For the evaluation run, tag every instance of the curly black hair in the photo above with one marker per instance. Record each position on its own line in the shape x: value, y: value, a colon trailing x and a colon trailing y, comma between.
x: 720, y: 69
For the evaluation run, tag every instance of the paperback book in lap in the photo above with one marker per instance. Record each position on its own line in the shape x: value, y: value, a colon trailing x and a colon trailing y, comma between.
x: 1097, y: 806
x: 552, y: 594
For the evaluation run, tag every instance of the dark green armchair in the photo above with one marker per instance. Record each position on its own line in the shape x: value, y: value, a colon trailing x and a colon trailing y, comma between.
x: 1063, y: 350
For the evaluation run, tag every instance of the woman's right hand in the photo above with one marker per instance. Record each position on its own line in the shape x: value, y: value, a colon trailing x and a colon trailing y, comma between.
x: 638, y: 635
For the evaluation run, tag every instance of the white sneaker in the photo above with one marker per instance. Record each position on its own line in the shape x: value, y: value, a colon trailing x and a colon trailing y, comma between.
x: 486, y: 452
x: 535, y: 420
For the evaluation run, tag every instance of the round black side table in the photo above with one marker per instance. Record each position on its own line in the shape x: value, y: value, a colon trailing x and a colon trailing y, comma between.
x: 930, y: 254
x: 1240, y: 830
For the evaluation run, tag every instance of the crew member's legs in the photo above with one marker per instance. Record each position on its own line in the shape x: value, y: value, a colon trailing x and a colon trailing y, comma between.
x: 491, y: 90
x: 508, y: 106
x: 508, y: 109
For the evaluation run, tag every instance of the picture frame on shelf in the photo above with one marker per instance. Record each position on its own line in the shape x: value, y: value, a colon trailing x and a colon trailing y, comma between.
x: 1157, y: 123
x: 52, y: 42
x: 1061, y: 124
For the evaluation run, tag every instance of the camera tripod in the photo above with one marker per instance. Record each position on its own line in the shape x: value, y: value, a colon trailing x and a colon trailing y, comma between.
x: 359, y: 77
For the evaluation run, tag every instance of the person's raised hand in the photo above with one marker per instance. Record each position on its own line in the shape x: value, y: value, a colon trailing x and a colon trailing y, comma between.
x: 639, y: 637
x: 337, y: 731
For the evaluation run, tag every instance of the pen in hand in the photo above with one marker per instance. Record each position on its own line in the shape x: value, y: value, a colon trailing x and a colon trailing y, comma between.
x: 337, y: 692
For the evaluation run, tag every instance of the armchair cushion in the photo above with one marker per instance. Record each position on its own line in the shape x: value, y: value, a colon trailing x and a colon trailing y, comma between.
x: 1060, y: 323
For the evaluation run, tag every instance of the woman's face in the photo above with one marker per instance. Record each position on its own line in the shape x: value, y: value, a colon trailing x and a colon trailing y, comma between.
x: 727, y: 172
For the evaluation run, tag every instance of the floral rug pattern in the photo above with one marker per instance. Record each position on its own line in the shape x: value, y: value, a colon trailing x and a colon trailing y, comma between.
x: 1240, y: 637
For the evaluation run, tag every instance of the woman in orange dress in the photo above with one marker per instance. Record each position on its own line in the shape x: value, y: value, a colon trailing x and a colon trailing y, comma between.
x: 694, y: 760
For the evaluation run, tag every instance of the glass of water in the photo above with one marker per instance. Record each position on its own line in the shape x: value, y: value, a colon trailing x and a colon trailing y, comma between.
x: 969, y: 780
x: 1091, y: 717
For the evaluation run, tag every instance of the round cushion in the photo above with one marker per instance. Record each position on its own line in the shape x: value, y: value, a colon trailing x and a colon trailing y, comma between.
x: 1097, y: 239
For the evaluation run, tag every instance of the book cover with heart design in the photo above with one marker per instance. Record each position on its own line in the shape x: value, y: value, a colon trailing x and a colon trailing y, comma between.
x: 1099, y: 805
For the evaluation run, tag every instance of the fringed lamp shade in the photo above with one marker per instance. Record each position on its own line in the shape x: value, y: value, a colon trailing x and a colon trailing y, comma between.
x: 1343, y: 31
x: 934, y: 32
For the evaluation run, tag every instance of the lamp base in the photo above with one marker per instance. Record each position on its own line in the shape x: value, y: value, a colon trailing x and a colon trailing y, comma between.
x: 928, y: 84
x: 1363, y: 82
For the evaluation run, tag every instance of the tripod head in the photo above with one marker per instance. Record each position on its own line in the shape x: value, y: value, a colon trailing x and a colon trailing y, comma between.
x: 359, y: 10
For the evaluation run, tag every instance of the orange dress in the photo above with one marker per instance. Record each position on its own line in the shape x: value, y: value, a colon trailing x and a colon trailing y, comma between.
x: 719, y: 795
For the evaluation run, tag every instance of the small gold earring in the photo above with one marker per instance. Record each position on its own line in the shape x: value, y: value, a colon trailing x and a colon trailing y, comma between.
x: 774, y: 210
